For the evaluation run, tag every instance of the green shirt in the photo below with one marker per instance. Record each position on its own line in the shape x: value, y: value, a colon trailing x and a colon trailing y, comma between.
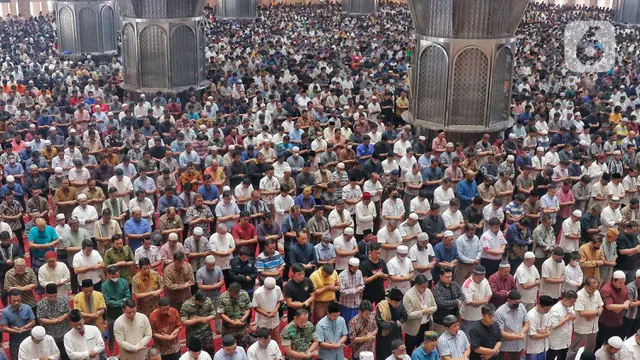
x: 114, y: 294
x: 190, y: 310
x: 113, y: 256
x: 234, y: 308
x: 300, y: 339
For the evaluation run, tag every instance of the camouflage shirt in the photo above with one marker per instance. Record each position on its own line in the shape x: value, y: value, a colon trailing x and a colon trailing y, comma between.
x: 234, y: 308
x: 300, y: 339
x: 190, y: 310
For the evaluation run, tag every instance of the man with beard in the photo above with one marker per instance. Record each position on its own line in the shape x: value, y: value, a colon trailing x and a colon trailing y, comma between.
x: 266, y: 302
x: 390, y: 315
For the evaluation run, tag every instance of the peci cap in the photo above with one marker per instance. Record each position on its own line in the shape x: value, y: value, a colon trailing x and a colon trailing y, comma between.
x: 479, y: 270
x: 618, y: 274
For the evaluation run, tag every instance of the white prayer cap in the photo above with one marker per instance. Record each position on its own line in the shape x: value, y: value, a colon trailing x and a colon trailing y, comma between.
x: 348, y: 231
x: 577, y: 213
x: 210, y: 259
x: 354, y: 262
x: 615, y: 342
x: 295, y: 149
x: 413, y: 216
x: 173, y: 236
x: 198, y: 231
x: 529, y: 255
x: 10, y: 178
x: 82, y: 197
x: 447, y: 233
x: 58, y: 170
x: 270, y: 283
x: 423, y: 236
x: 402, y: 249
x: 60, y: 217
x: 540, y: 148
x: 618, y: 274
x: 38, y: 333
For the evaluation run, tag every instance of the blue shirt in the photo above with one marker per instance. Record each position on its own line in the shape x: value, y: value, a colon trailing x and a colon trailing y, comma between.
x: 18, y: 319
x: 364, y: 150
x: 331, y: 331
x: 165, y: 203
x: 185, y: 159
x: 240, y: 354
x: 296, y: 134
x: 420, y: 354
x: 42, y: 237
x: 291, y: 224
x: 208, y: 194
x: 137, y: 227
x: 444, y: 254
x: 303, y: 254
x: 306, y: 204
x: 466, y: 191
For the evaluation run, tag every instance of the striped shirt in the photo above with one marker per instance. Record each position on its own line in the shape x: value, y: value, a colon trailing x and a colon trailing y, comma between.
x: 514, y: 209
x: 351, y: 288
x: 268, y: 263
x: 453, y: 345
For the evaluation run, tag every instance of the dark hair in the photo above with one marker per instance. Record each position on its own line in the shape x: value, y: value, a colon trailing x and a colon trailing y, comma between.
x: 15, y: 292
x: 235, y: 287
x: 374, y: 246
x: 144, y: 262
x: 449, y: 320
x: 366, y: 305
x: 333, y: 307
x: 301, y: 312
x: 328, y: 268
x: 488, y: 309
x: 494, y: 221
x: 128, y: 303
x: 421, y: 279
x: 445, y: 270
x: 297, y: 268
x: 570, y: 294
x: 87, y: 244
x: 178, y: 256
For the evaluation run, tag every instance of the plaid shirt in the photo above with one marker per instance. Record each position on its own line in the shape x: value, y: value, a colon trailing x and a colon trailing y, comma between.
x: 351, y: 288
x: 447, y: 300
x: 201, y: 148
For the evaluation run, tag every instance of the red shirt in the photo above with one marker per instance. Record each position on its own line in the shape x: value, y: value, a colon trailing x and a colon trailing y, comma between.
x: 611, y: 295
x: 500, y: 288
x: 240, y: 232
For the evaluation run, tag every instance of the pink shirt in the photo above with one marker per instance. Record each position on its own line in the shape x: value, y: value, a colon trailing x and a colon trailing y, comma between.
x: 565, y: 211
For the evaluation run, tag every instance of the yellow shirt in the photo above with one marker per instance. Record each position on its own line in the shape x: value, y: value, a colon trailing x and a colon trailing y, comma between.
x: 615, y: 118
x: 80, y: 303
x: 320, y: 281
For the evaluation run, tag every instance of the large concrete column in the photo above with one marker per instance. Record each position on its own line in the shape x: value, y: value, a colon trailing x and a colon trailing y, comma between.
x: 237, y: 9
x: 86, y: 26
x: 462, y: 63
x: 162, y: 44
x: 359, y: 7
x: 627, y: 11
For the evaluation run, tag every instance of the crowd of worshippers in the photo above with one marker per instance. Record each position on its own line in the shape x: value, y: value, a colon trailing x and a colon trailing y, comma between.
x: 293, y: 182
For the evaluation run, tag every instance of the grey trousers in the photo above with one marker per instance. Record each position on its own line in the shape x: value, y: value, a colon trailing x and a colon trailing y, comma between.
x: 466, y: 326
x: 589, y: 346
x: 440, y: 329
x: 463, y: 272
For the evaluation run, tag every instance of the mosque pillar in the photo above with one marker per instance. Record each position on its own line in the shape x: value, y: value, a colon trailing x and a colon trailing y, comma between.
x: 462, y: 64
x: 86, y: 26
x: 162, y: 45
x: 24, y: 8
x: 359, y: 7
x: 627, y: 11
x: 237, y: 9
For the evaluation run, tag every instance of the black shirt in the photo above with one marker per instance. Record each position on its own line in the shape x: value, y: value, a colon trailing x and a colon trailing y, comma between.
x: 626, y: 241
x: 484, y: 336
x: 373, y: 291
x: 298, y: 292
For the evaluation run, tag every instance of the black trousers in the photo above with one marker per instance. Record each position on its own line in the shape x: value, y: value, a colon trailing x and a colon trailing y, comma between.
x: 412, y: 342
x: 491, y: 266
x: 174, y: 356
x: 63, y: 351
x: 557, y: 354
x: 605, y: 332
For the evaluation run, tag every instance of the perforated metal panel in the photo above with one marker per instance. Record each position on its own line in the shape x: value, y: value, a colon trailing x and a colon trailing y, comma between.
x: 108, y: 29
x: 181, y: 8
x: 499, y: 101
x: 432, y: 88
x: 183, y: 57
x: 153, y: 57
x: 66, y: 30
x: 88, y: 23
x: 359, y: 6
x: 201, y: 52
x: 469, y: 90
x: 152, y: 9
x: 237, y: 9
x: 471, y: 19
x: 130, y: 55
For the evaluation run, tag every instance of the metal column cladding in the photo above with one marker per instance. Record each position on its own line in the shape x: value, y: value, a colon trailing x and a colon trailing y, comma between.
x: 462, y: 67
x: 627, y: 11
x: 359, y: 7
x: 86, y: 26
x: 237, y: 9
x: 162, y: 44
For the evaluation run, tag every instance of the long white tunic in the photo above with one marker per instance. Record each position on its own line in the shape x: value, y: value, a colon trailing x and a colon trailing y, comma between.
x: 78, y: 346
x: 83, y: 214
x: 132, y: 334
x: 47, y: 348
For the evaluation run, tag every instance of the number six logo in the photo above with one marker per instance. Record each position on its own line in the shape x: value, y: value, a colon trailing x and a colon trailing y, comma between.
x: 606, y: 43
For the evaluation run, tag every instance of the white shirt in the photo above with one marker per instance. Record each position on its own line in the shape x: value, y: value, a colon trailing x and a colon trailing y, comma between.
x: 389, y: 165
x: 474, y: 291
x: 131, y: 334
x: 537, y: 321
x: 351, y: 193
x: 80, y: 260
x: 453, y: 219
x: 279, y: 169
x: 442, y: 196
x: 492, y: 241
x: 630, y: 349
x: 400, y: 147
x: 47, y: 348
x: 571, y: 228
x: 393, y: 238
x: 416, y: 205
x: 375, y: 189
x: 551, y: 270
x: 560, y: 338
x: 256, y: 352
x: 48, y: 275
x: 123, y: 186
x: 408, y: 230
x: 399, y: 267
x: 392, y: 207
x: 341, y: 244
x: 78, y: 347
x: 573, y: 277
x: 525, y: 275
x: 616, y: 190
x: 421, y: 258
x: 83, y: 214
x: 203, y: 356
x: 609, y: 217
x: 269, y: 185
x: 222, y: 243
x: 334, y: 219
x: 587, y: 302
x: 267, y: 300
x: 282, y: 204
x: 365, y: 216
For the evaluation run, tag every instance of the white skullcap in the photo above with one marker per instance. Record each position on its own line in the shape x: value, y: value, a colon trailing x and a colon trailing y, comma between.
x: 449, y: 144
x: 47, y: 142
x: 584, y: 143
x: 360, y: 107
x: 613, y: 199
x: 511, y: 158
x: 619, y: 274
x: 110, y: 113
x: 38, y: 333
x: 512, y: 136
x: 296, y: 149
x: 10, y: 178
x: 540, y: 148
x: 340, y: 165
x: 637, y: 273
x: 232, y: 147
x: 60, y: 217
x: 135, y: 209
x: 354, y: 262
x: 402, y: 249
x: 32, y: 126
x: 270, y: 283
x: 422, y: 137
x: 617, y: 152
x: 615, y: 342
x: 348, y: 231
x: 82, y: 197
x: 53, y: 128
x: 72, y: 130
x: 447, y: 233
x: 577, y: 213
x: 173, y: 236
x: 198, y: 231
x: 413, y: 216
x: 210, y: 259
x: 529, y: 255
x: 423, y: 236
x: 58, y: 170
x: 203, y: 127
